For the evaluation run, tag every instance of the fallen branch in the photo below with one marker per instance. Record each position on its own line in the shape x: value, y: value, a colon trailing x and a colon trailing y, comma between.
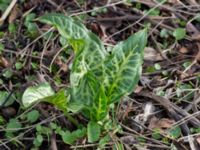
x: 173, y: 110
x: 177, y: 114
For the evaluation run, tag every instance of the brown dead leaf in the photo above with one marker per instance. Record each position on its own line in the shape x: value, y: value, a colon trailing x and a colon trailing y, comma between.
x: 163, y: 123
x: 183, y: 50
x: 196, y: 37
x: 128, y: 139
x: 198, y: 54
x: 151, y: 54
x: 4, y: 62
x: 193, y: 31
x: 174, y: 2
x: 192, y: 2
x: 31, y: 3
x: 8, y: 112
x: 14, y: 14
x: 63, y: 66
x: 138, y: 89
x: 198, y: 140
x: 103, y: 29
x: 99, y: 29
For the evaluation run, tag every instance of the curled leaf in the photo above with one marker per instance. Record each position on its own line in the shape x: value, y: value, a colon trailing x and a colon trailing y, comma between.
x: 89, y: 50
x: 36, y: 93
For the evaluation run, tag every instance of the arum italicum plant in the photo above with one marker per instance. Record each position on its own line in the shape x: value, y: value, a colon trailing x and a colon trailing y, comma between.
x: 97, y: 78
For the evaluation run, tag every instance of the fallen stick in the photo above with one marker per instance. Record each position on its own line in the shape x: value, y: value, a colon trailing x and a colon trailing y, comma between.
x: 170, y: 107
x: 177, y: 113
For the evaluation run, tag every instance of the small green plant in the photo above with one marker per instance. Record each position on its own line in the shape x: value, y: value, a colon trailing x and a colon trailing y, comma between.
x: 32, y: 30
x: 179, y: 33
x: 98, y: 11
x: 98, y: 79
x: 12, y: 128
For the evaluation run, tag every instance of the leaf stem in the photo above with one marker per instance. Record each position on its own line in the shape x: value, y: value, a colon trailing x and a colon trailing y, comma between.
x: 71, y: 119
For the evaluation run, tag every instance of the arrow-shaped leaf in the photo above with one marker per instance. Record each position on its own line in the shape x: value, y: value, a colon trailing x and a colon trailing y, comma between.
x: 123, y: 67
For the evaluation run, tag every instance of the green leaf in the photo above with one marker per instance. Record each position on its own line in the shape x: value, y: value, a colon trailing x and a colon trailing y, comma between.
x: 36, y: 93
x: 179, y: 33
x: 59, y: 100
x: 154, y: 12
x: 72, y: 30
x: 195, y: 130
x: 187, y: 64
x: 63, y: 41
x: 157, y: 66
x: 53, y: 125
x: 18, y: 65
x: 124, y: 66
x: 175, y: 132
x: 118, y: 146
x: 38, y: 140
x: 3, y: 99
x: 12, y: 28
x: 7, y: 73
x: 90, y: 97
x: 93, y: 131
x: 79, y: 133
x: 197, y: 17
x: 164, y: 33
x: 4, y: 4
x: 103, y: 141
x: 89, y: 60
x: 84, y: 94
x: 33, y: 116
x: 70, y: 137
x: 100, y: 106
x: 2, y: 120
x: 67, y: 137
x: 1, y: 48
x: 156, y: 134
x: 44, y: 92
x: 12, y: 127
x: 31, y: 27
x: 89, y: 50
x: 43, y: 130
x: 30, y: 17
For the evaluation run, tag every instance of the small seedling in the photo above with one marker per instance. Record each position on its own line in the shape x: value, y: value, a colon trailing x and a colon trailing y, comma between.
x: 179, y: 33
x: 30, y: 25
